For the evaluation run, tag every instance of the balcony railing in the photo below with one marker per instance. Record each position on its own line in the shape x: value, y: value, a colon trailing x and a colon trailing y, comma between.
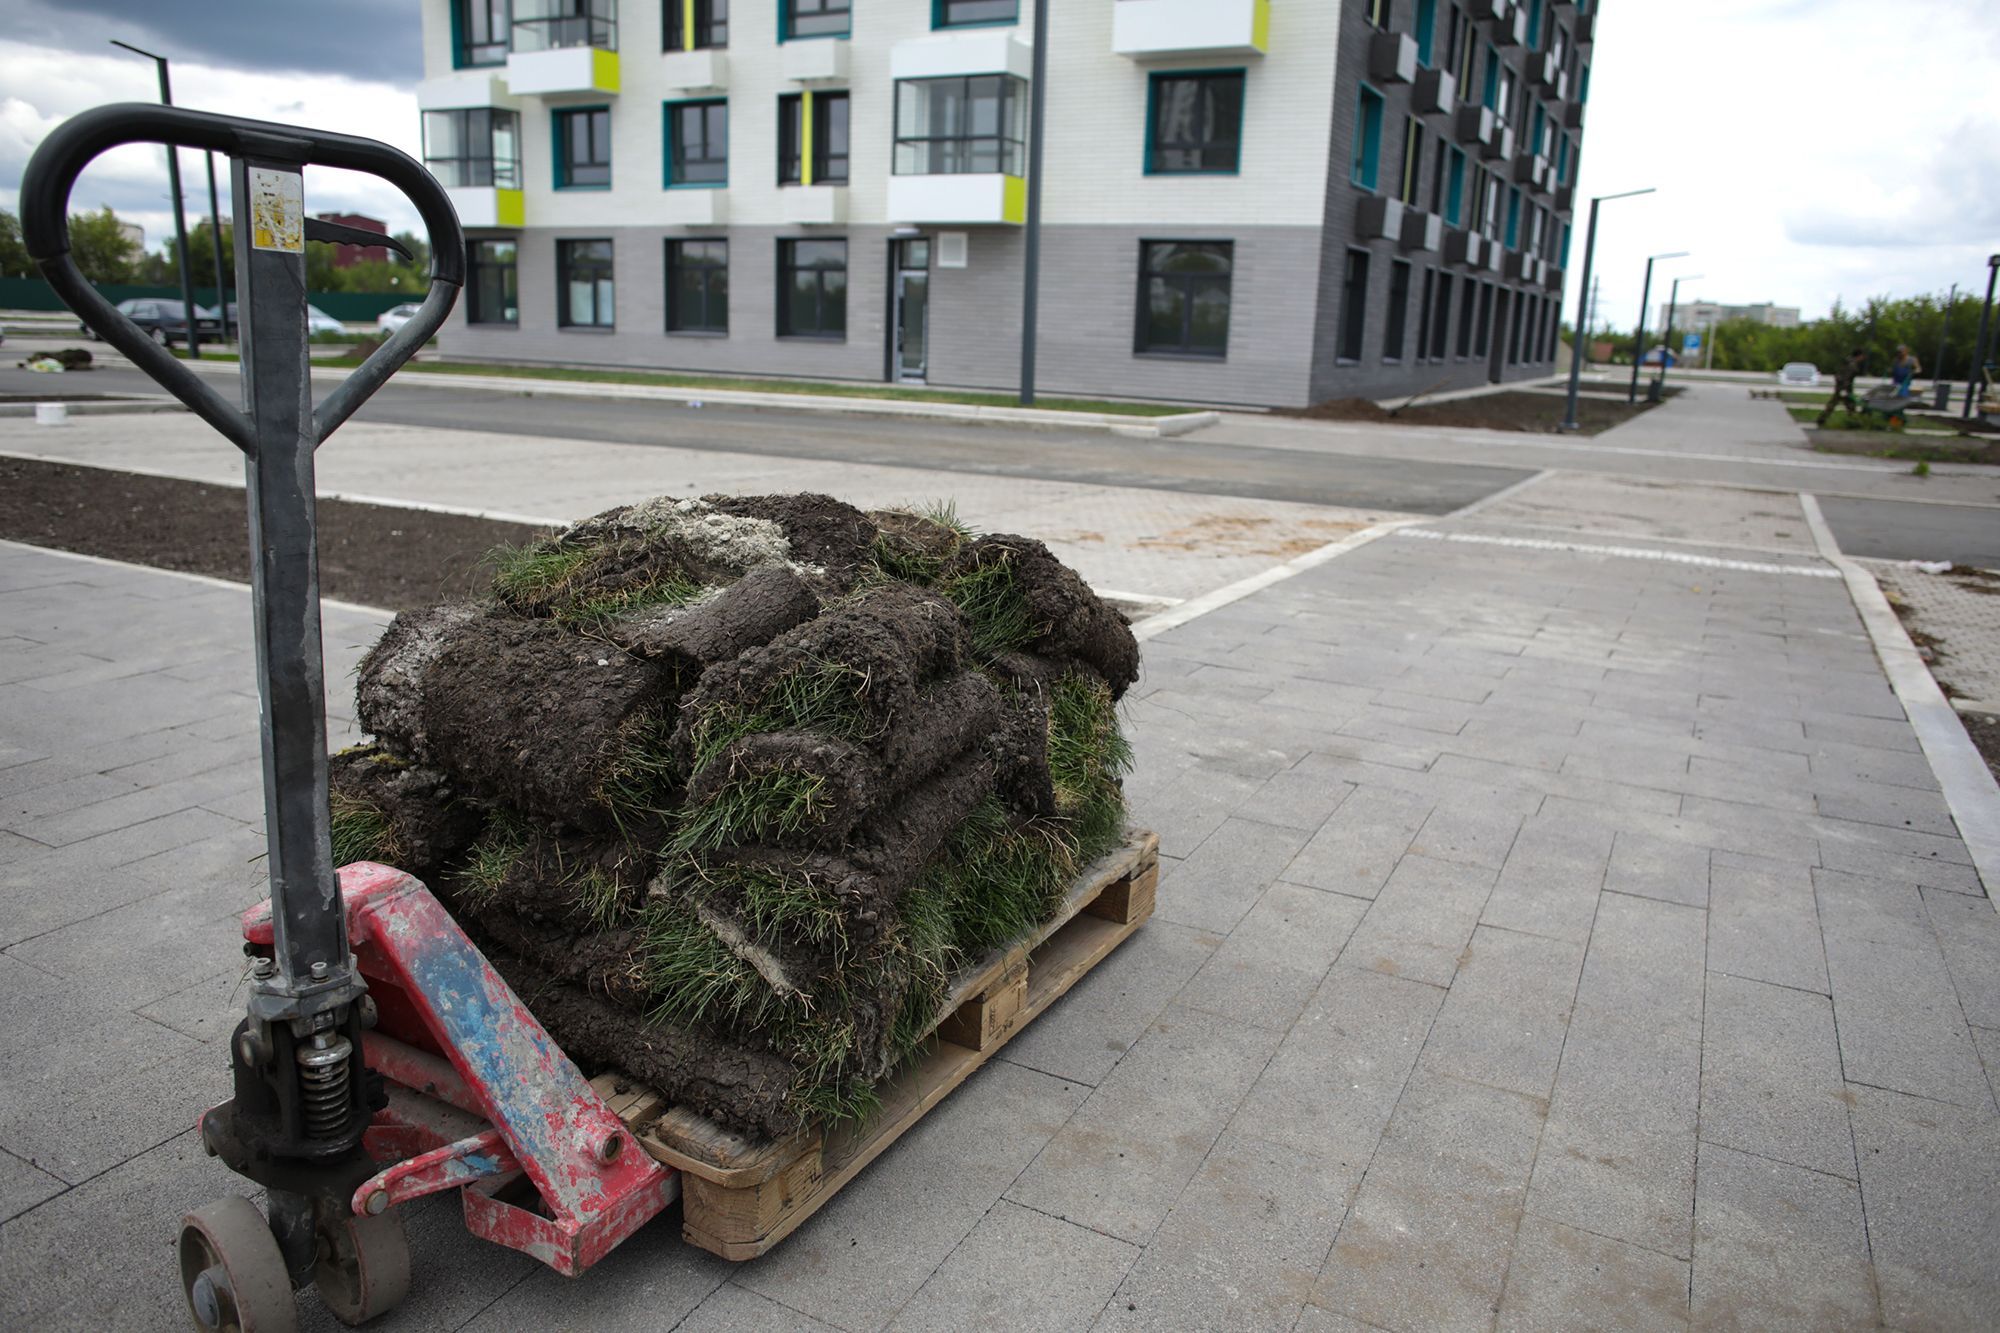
x: 560, y: 25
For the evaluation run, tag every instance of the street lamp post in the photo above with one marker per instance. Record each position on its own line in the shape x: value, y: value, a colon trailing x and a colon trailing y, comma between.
x: 215, y: 239
x: 1569, y: 422
x: 1938, y: 386
x: 1667, y: 334
x: 1639, y: 336
x: 1979, y: 353
x: 1031, y: 279
x: 180, y: 218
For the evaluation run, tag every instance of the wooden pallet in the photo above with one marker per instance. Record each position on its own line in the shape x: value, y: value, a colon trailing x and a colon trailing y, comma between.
x: 741, y: 1196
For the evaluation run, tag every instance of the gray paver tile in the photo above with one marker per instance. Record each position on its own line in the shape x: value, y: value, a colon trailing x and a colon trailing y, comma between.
x: 1420, y: 922
x: 90, y: 1114
x: 1777, y: 1247
x: 23, y: 1185
x: 650, y: 1281
x: 1509, y: 1007
x: 1190, y: 805
x: 1552, y: 879
x: 159, y: 935
x: 1299, y: 798
x: 1649, y: 867
x: 1273, y: 961
x: 1242, y: 1244
x: 1969, y: 930
x: 1020, y: 1269
x: 1223, y: 878
x: 1930, y: 871
x: 879, y: 1240
x: 731, y: 1309
x: 1563, y: 1278
x: 1358, y: 847
x: 1469, y: 831
x: 1604, y: 798
x: 1930, y: 1176
x: 1763, y: 923
x: 1087, y: 1032
x: 1120, y: 1162
x: 1316, y: 1319
x: 1770, y: 1076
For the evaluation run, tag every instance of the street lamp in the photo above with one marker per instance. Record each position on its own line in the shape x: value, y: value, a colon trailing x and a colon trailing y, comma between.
x: 1667, y: 334
x: 1639, y: 336
x: 180, y: 219
x: 1979, y: 354
x: 1583, y: 316
x: 1031, y: 267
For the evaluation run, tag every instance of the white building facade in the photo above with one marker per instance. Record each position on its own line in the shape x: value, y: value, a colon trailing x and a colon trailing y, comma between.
x: 1265, y: 202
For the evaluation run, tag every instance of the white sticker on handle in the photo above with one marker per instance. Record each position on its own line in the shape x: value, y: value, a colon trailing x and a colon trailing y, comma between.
x: 277, y: 210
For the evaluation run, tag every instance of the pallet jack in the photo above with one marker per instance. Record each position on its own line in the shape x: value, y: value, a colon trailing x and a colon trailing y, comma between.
x: 382, y: 1058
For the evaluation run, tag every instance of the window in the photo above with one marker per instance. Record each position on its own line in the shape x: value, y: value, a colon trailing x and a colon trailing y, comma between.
x: 697, y: 286
x: 1379, y: 13
x: 584, y: 295
x: 1413, y: 160
x: 1534, y: 25
x: 1538, y: 133
x: 1454, y: 198
x: 1513, y: 217
x: 1396, y: 329
x: 1441, y: 319
x: 812, y: 148
x: 1467, y: 297
x: 1184, y: 295
x: 968, y: 13
x: 1465, y: 50
x: 812, y: 289
x: 476, y: 147
x: 1565, y: 245
x: 492, y: 296
x: 1426, y: 30
x: 555, y: 25
x: 954, y: 126
x: 1353, y: 305
x: 479, y: 32
x: 1485, y: 324
x: 1367, y: 139
x: 814, y: 18
x: 701, y: 26
x: 1423, y: 312
x: 583, y: 148
x: 1489, y: 94
x: 697, y: 143
x: 1197, y: 122
x: 1514, y: 331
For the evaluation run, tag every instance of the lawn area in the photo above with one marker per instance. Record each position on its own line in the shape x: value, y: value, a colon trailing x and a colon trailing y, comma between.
x: 1845, y: 420
x: 815, y: 388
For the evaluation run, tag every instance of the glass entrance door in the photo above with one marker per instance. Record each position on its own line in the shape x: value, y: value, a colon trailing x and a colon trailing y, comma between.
x: 913, y: 302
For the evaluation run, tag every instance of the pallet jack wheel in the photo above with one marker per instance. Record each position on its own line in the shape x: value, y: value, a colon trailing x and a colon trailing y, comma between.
x: 363, y: 1268
x: 232, y: 1272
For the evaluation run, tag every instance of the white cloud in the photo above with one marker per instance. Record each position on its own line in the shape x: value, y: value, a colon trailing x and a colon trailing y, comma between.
x: 44, y: 86
x: 1804, y: 150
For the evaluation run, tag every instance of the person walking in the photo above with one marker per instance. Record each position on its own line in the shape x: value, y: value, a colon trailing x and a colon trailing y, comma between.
x: 1905, y: 368
x: 1843, y: 385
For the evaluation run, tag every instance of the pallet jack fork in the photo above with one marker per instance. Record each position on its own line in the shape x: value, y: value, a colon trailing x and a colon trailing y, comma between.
x: 382, y: 1058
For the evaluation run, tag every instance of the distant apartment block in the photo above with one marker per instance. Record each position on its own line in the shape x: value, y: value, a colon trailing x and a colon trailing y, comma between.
x: 1707, y: 314
x: 1267, y: 202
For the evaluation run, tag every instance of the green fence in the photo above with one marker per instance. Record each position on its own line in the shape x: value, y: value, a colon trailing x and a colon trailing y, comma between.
x: 347, y: 307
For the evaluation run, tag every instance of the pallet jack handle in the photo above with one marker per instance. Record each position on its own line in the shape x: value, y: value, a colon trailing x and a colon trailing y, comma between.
x: 277, y: 427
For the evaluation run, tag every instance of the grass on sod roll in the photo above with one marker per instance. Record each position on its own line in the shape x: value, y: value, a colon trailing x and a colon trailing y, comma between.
x: 816, y: 695
x: 492, y: 859
x: 1088, y: 754
x: 360, y: 830
x: 990, y: 597
x: 561, y: 577
x: 758, y: 807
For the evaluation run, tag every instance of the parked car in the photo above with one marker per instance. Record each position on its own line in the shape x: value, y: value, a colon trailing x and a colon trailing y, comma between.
x: 1799, y: 375
x: 165, y: 322
x: 318, y: 321
x: 396, y: 317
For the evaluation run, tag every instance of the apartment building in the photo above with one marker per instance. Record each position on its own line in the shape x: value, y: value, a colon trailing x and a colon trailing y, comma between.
x: 1707, y: 314
x: 1268, y: 202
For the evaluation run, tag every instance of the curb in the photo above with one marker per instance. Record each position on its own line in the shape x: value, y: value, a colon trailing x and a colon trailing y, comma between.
x: 1132, y: 427
x: 1968, y: 784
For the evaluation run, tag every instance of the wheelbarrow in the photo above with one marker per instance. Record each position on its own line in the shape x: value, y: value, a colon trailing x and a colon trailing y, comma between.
x: 382, y: 1059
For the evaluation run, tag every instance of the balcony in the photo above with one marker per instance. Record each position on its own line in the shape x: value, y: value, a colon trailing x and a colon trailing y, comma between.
x: 1552, y: 278
x: 475, y: 154
x: 558, y: 50
x: 816, y: 62
x: 1511, y: 30
x: 958, y: 54
x: 576, y: 69
x: 1524, y: 267
x: 1491, y: 9
x: 1392, y: 58
x: 488, y: 206
x: 1169, y: 29
x: 463, y: 88
x: 1434, y: 91
x: 1422, y: 232
x: 985, y: 198
x: 1533, y: 172
x: 1500, y: 146
x: 704, y: 71
x: 1565, y: 198
x: 1465, y: 247
x: 691, y: 207
x: 1379, y: 219
x: 811, y: 205
x: 1573, y: 116
x: 1477, y: 124
x: 1586, y: 28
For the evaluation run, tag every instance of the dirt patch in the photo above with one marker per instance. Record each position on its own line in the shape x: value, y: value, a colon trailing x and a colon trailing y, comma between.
x: 1238, y: 534
x: 1909, y: 448
x: 1532, y: 412
x: 1984, y: 729
x: 822, y: 531
x: 377, y: 555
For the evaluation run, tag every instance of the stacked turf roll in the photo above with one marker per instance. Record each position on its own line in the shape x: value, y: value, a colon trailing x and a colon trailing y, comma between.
x: 730, y: 789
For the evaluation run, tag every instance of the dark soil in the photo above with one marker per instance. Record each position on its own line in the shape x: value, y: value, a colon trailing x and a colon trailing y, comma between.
x: 388, y: 695
x: 377, y: 555
x: 428, y: 826
x: 686, y: 639
x: 822, y: 531
x: 1984, y: 728
x: 1532, y: 412
x: 852, y: 782
x: 1068, y: 621
x: 548, y: 879
x: 1910, y: 448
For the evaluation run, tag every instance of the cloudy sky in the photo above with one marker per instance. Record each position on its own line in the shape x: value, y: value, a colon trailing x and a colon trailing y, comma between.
x: 1803, y: 149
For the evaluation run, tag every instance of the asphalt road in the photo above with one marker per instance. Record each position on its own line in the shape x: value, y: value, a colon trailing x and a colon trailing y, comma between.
x: 1089, y: 457
x: 1895, y: 530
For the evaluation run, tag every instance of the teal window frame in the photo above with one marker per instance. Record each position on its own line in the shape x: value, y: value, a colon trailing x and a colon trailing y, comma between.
x: 1562, y: 159
x: 1490, y: 96
x: 670, y: 140
x: 458, y: 56
x: 1513, y: 233
x: 1565, y: 245
x: 559, y: 118
x: 1535, y: 24
x: 1538, y: 126
x: 1454, y: 205
x: 939, y: 23
x: 1153, y: 81
x: 785, y: 33
x: 1425, y: 28
x: 1583, y: 84
x: 1366, y: 169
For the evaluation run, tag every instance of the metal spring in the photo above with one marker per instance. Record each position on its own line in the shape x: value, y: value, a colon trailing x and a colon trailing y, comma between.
x: 323, y: 1086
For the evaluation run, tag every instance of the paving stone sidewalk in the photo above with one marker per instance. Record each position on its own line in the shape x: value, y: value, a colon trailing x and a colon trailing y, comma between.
x: 1548, y: 939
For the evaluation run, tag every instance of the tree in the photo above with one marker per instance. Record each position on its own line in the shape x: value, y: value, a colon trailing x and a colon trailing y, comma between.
x: 201, y: 257
x: 103, y: 252
x: 14, y: 261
